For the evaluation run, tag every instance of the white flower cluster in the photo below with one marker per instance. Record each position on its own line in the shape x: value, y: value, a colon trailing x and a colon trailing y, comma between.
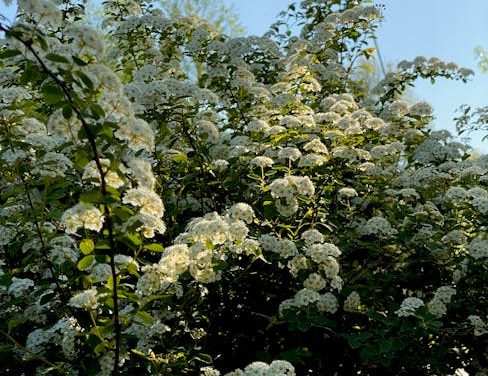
x: 209, y: 371
x: 285, y: 189
x: 305, y: 297
x: 352, y: 302
x: 478, y: 248
x: 442, y: 297
x: 378, y: 226
x: 409, y: 306
x: 147, y: 332
x: 347, y: 192
x: 288, y: 186
x: 141, y: 170
x: 20, y: 286
x: 45, y: 12
x: 289, y: 152
x: 480, y: 327
x: 63, y: 248
x: 312, y: 236
x: 91, y: 172
x: 204, y: 242
x: 65, y: 333
x: 52, y: 164
x: 87, y: 299
x: 66, y: 330
x: 261, y: 161
x: 276, y: 368
x: 137, y: 133
x: 82, y: 215
x: 151, y: 210
x: 241, y: 211
x: 86, y: 40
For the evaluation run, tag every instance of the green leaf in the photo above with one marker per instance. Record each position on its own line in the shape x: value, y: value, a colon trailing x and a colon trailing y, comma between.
x: 78, y: 61
x: 31, y: 74
x: 87, y: 246
x: 57, y: 58
x: 155, y: 247
x: 99, y: 348
x: 110, y: 282
x: 145, y: 316
x: 52, y: 94
x: 93, y: 197
x: 295, y: 355
x: 386, y: 346
x: 97, y: 111
x: 85, y: 262
x: 47, y: 297
x: 85, y: 79
x: 67, y: 112
x: 104, y: 244
x: 16, y: 321
x: 132, y: 239
x: 9, y: 53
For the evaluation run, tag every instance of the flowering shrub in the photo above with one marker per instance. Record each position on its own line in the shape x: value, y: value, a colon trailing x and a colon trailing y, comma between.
x: 266, y: 215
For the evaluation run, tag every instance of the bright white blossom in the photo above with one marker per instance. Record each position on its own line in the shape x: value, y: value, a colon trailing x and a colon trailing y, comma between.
x: 82, y: 215
x: 409, y: 306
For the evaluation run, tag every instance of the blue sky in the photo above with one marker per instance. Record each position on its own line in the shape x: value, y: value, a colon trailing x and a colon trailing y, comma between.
x: 447, y: 29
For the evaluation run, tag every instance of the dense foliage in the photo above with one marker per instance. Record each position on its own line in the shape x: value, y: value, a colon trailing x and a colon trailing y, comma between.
x: 267, y: 213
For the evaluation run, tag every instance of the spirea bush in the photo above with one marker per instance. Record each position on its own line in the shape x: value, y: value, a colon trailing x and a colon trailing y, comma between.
x: 260, y: 213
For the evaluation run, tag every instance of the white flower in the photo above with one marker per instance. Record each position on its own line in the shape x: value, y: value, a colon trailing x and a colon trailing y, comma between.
x: 314, y: 282
x: 86, y: 299
x: 480, y: 204
x: 480, y: 327
x: 456, y: 194
x: 220, y: 165
x: 409, y: 306
x: 112, y: 179
x: 303, y: 184
x: 347, y: 192
x: 19, y: 286
x: 285, y: 248
x: 421, y: 109
x: 257, y: 125
x: 82, y: 215
x: 137, y: 133
x: 352, y: 302
x: 241, y: 211
x: 305, y: 296
x: 287, y: 206
x: 312, y: 236
x: 141, y: 169
x: 207, y: 130
x: 281, y: 188
x: 327, y: 303
x: 291, y: 153
x: 52, y: 164
x: 146, y: 199
x: 209, y: 371
x: 311, y: 159
x: 268, y: 242
x: 478, y: 248
x: 261, y: 161
x: 378, y: 226
x: 315, y: 146
x: 437, y: 307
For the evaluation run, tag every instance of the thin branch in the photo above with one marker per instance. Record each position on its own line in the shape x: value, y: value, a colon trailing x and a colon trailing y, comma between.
x: 37, y: 356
